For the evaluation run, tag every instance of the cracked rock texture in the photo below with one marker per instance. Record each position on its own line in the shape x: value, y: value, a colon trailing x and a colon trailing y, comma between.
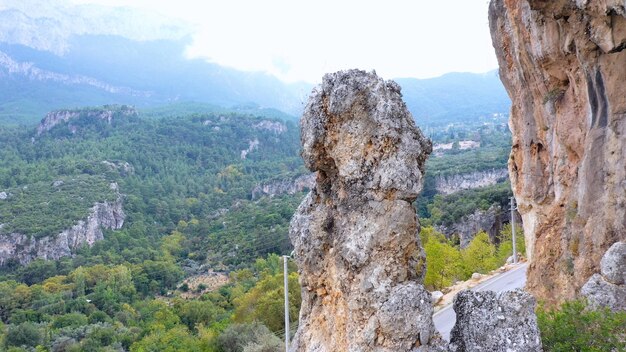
x: 608, y: 289
x: 486, y: 321
x: 356, y: 233
x: 564, y: 65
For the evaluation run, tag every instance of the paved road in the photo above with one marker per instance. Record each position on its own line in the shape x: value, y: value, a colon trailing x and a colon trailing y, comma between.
x: 512, y: 279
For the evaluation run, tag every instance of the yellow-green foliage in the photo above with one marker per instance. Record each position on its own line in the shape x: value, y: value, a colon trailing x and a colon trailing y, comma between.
x: 479, y: 256
x: 177, y: 339
x: 443, y: 261
x: 265, y: 302
x: 505, y: 249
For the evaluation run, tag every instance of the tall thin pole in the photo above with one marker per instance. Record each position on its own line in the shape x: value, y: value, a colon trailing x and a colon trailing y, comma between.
x: 513, y: 230
x: 286, y: 277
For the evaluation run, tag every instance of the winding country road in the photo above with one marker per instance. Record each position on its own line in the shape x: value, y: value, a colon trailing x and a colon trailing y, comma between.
x: 512, y: 279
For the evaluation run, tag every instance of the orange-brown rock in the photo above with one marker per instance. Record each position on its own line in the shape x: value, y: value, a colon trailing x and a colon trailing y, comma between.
x: 564, y: 65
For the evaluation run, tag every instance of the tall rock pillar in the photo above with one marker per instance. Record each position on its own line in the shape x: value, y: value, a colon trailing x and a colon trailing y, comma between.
x: 356, y: 233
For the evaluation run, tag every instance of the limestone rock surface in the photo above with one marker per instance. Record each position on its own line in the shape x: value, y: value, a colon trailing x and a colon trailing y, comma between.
x: 608, y: 289
x: 448, y: 184
x: 106, y: 113
x: 356, y: 233
x: 486, y: 321
x: 563, y: 64
x: 284, y: 186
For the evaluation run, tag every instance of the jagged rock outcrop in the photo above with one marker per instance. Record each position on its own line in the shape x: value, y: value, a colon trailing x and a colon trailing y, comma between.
x: 608, y: 289
x: 486, y: 321
x: 24, y: 249
x: 453, y: 183
x: 252, y: 146
x: 106, y: 113
x: 563, y: 64
x: 124, y: 168
x: 287, y: 186
x: 355, y: 234
x: 272, y: 126
x: 489, y: 221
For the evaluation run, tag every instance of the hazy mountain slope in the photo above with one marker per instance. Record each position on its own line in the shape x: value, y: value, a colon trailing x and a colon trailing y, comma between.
x: 454, y: 97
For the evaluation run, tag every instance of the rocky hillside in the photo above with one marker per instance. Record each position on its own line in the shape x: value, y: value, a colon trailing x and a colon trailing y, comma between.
x: 23, y: 249
x: 562, y: 63
x: 107, y: 113
x: 52, y: 220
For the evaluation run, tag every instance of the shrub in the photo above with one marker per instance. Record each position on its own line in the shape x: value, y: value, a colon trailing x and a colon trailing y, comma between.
x: 574, y: 327
x: 247, y: 337
x: 25, y: 334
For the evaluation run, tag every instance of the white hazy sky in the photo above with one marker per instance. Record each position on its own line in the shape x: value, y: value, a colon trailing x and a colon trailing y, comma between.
x: 302, y: 40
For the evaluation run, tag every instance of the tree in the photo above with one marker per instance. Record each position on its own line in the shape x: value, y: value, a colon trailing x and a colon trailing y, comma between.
x: 251, y: 337
x: 505, y: 249
x: 25, y: 334
x: 265, y: 302
x: 443, y: 262
x: 176, y: 339
x: 479, y: 256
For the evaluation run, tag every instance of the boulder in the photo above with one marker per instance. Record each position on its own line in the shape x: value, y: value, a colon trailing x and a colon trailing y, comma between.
x: 486, y: 321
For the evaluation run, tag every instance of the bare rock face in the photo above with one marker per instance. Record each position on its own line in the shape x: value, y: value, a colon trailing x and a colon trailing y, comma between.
x: 107, y: 113
x: 486, y: 321
x: 285, y: 186
x: 356, y: 233
x: 458, y: 182
x: 564, y: 65
x: 608, y: 289
x: 25, y: 249
x: 490, y: 221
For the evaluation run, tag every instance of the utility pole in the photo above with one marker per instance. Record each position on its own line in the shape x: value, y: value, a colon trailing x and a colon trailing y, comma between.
x: 513, y: 230
x: 286, y: 277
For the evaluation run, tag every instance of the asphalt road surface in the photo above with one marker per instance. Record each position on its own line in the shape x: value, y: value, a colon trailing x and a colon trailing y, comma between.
x: 510, y: 280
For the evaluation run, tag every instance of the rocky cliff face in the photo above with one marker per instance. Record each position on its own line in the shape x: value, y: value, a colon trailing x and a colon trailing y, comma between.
x: 24, y: 249
x: 458, y: 182
x: 489, y: 221
x: 287, y: 186
x: 355, y: 234
x: 563, y: 64
x: 107, y: 113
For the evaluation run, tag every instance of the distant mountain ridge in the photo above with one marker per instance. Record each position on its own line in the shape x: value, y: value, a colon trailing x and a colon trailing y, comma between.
x: 110, y: 55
